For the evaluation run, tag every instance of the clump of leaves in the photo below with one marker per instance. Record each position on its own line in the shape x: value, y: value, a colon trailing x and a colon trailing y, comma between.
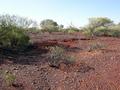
x: 58, y: 56
x: 95, y: 46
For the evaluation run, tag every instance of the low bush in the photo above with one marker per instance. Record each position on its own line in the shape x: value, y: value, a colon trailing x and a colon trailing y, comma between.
x: 102, y: 31
x: 107, y: 31
x: 114, y: 33
x: 58, y: 56
x: 50, y: 29
x: 88, y: 33
x: 12, y: 37
x: 95, y: 46
x: 71, y: 30
x: 8, y: 77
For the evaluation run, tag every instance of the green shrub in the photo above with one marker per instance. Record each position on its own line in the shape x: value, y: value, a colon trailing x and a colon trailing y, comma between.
x: 9, y: 78
x: 56, y: 52
x: 33, y: 30
x: 57, y: 56
x: 49, y: 25
x: 69, y: 59
x: 98, y: 26
x: 114, y: 33
x: 101, y: 31
x: 88, y: 33
x: 104, y: 31
x: 71, y: 29
x: 95, y: 46
x: 50, y: 29
x: 115, y: 30
x: 12, y: 37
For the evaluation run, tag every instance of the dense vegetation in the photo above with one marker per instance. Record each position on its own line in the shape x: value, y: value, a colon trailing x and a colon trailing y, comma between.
x: 12, y: 32
x: 101, y: 26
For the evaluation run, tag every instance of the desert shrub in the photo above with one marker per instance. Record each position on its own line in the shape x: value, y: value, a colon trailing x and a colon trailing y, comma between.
x: 56, y: 52
x: 101, y: 31
x: 115, y: 33
x: 95, y: 46
x: 64, y: 31
x: 33, y: 30
x: 69, y: 59
x: 12, y: 37
x: 57, y: 56
x: 9, y: 77
x: 71, y: 29
x: 88, y: 33
x: 106, y: 31
x: 50, y: 29
x: 100, y: 23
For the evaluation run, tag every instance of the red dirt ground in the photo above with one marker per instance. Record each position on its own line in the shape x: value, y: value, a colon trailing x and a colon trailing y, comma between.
x: 93, y: 70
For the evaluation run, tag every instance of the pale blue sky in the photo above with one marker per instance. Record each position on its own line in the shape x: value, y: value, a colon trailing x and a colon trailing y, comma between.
x: 63, y: 11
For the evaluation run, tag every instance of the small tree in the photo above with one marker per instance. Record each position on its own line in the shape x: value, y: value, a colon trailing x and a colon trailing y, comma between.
x: 100, y: 21
x: 49, y: 25
x: 96, y: 23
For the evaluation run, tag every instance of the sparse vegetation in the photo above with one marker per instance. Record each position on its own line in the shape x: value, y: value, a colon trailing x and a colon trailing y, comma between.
x: 95, y: 46
x: 107, y: 31
x: 57, y: 56
x: 46, y: 51
x: 9, y: 77
x: 71, y: 29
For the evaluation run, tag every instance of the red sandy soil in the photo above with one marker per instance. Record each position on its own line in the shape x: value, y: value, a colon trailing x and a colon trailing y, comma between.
x: 93, y: 70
